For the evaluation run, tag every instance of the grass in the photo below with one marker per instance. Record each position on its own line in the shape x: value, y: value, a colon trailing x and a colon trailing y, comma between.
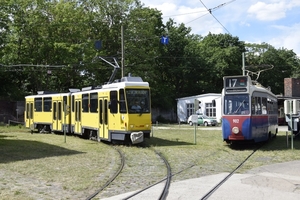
x: 79, y: 166
x: 211, y: 155
x: 45, y: 159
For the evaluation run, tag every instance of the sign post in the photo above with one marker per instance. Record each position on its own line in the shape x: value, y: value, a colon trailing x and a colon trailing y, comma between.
x: 195, y: 122
x: 291, y: 121
x: 66, y: 112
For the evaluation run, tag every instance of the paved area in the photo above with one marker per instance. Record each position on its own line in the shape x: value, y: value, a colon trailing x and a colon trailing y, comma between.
x: 276, y: 182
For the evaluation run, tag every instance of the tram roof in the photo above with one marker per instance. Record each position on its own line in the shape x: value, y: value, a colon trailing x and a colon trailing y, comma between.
x: 121, y: 83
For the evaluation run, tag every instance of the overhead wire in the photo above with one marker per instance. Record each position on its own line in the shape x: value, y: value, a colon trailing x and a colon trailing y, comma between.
x: 217, y: 7
x: 196, y: 18
x: 184, y: 14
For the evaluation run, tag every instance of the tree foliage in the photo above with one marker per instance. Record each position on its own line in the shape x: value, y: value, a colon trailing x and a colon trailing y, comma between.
x: 49, y: 45
x: 275, y: 64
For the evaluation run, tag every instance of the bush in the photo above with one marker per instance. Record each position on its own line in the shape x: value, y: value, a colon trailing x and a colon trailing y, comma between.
x: 161, y: 119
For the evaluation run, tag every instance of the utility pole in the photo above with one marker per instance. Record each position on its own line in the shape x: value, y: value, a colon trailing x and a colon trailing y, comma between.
x: 122, y: 49
x: 243, y: 68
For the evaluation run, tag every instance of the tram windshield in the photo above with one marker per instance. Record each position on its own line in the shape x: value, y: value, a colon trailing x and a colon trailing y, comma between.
x: 236, y: 104
x: 138, y: 100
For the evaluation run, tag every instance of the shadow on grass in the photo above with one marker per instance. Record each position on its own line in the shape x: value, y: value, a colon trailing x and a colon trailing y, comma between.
x: 154, y: 141
x: 18, y: 150
x: 5, y: 136
x: 281, y: 142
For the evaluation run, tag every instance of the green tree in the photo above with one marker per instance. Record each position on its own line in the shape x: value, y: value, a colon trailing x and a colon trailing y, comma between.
x: 176, y: 66
x: 284, y: 64
x: 223, y: 57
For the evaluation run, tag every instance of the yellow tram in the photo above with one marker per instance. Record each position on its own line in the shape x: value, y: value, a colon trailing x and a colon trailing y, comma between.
x: 118, y: 111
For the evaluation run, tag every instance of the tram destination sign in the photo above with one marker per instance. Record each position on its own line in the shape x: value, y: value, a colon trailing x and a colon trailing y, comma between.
x: 236, y: 90
x: 236, y: 84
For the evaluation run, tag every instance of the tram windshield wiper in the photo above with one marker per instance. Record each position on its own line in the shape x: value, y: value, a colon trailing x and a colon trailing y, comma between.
x: 239, y: 107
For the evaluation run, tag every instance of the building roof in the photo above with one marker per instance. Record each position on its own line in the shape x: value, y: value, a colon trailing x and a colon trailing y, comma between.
x: 200, y: 96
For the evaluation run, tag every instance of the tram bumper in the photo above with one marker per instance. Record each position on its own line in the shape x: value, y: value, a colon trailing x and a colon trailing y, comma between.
x: 137, y: 137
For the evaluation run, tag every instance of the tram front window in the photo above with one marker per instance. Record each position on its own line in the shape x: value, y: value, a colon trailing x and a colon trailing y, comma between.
x: 236, y: 104
x: 138, y: 100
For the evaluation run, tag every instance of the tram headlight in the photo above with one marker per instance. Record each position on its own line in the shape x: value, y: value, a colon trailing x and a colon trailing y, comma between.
x: 235, y: 130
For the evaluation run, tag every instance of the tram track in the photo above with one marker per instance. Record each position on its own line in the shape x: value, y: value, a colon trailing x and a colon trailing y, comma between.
x: 218, y: 185
x: 109, y: 181
x: 167, y: 180
x: 162, y: 191
x: 158, y: 182
x: 123, y: 176
x: 165, y: 191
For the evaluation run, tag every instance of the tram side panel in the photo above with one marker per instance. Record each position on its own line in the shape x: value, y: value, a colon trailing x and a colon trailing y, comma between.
x: 40, y: 113
x: 28, y: 115
x: 61, y: 117
x: 76, y: 111
x: 260, y: 128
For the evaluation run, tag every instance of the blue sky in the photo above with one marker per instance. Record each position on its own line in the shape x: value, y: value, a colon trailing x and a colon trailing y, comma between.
x: 276, y: 22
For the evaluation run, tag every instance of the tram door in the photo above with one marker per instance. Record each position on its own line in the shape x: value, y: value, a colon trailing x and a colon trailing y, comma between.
x: 103, y: 117
x: 57, y: 115
x: 77, y: 127
x: 29, y: 115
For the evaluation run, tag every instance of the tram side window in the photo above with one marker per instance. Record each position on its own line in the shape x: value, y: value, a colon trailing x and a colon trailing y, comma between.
x: 275, y: 107
x: 38, y: 104
x: 85, y: 102
x: 122, y: 101
x: 113, y: 102
x: 264, y: 105
x: 105, y: 112
x: 59, y: 110
x: 54, y: 111
x: 65, y: 103
x: 73, y: 103
x: 253, y: 105
x: 47, y: 104
x: 94, y: 102
x: 101, y: 112
x: 76, y: 115
x: 31, y: 111
x: 270, y: 107
x: 27, y: 111
x: 258, y: 105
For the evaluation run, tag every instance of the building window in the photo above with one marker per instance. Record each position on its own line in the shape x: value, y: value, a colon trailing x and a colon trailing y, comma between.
x: 190, y: 109
x: 210, y: 110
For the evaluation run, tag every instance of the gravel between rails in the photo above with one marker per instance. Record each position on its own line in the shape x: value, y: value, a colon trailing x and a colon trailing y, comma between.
x: 142, y: 168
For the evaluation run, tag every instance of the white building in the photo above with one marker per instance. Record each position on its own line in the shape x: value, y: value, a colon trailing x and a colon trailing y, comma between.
x: 210, y: 106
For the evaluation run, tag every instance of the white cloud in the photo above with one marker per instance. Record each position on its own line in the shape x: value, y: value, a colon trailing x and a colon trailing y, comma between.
x: 243, y: 23
x: 256, y: 21
x: 268, y: 12
x: 289, y: 38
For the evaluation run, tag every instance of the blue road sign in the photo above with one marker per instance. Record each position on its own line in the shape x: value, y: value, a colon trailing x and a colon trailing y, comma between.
x: 164, y: 40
